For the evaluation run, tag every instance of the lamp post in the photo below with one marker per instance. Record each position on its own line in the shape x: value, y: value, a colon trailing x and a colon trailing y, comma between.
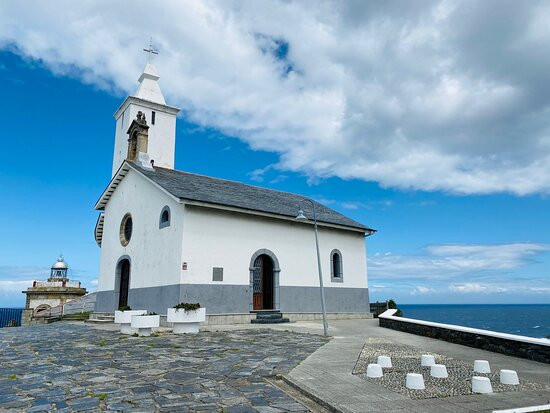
x: 302, y: 217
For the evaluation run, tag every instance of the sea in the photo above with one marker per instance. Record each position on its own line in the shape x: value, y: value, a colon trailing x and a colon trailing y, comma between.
x: 532, y: 320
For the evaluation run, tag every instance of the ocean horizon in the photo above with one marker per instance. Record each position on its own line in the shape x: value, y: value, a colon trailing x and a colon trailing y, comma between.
x: 532, y: 320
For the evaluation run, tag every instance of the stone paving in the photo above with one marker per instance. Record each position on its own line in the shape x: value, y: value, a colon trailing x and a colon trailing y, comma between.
x: 73, y: 367
x: 406, y: 359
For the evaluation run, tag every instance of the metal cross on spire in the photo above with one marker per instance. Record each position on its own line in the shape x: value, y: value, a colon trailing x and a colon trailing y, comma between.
x: 150, y: 50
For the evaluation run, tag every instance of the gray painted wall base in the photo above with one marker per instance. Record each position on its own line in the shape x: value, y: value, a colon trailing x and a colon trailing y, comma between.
x: 236, y: 299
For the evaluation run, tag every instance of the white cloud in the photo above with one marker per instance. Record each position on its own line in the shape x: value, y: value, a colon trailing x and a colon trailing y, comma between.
x: 421, y: 290
x: 469, y: 288
x: 434, y: 96
x: 447, y: 261
x: 10, y: 286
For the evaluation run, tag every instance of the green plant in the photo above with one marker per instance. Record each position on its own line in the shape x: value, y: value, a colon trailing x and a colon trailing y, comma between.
x: 124, y: 308
x: 102, y: 396
x: 102, y: 342
x: 187, y: 306
x: 392, y: 305
x: 12, y: 377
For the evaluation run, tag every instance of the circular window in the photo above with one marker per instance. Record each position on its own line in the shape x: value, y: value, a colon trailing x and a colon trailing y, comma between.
x: 126, y: 230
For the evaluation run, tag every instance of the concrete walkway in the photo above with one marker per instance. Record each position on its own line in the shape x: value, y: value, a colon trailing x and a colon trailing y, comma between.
x: 326, y: 374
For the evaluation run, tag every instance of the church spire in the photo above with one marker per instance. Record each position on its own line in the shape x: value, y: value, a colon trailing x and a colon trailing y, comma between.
x: 149, y: 88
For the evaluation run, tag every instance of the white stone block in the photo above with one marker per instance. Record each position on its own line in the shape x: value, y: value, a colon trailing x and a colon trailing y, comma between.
x: 481, y: 385
x: 384, y: 361
x: 439, y: 371
x: 415, y: 381
x: 427, y: 360
x: 509, y: 377
x: 482, y: 366
x: 374, y: 370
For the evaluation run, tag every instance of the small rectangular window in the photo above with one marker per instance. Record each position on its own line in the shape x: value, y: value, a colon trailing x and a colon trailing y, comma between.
x: 217, y: 274
x: 153, y: 117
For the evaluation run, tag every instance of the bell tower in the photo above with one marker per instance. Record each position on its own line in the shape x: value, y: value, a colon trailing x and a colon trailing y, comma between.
x: 161, y: 120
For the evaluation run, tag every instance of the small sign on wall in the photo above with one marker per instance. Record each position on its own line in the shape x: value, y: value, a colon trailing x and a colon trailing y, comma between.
x: 183, y: 265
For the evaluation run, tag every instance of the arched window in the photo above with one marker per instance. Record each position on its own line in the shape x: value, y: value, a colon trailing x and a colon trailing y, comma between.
x: 164, y: 220
x: 336, y: 266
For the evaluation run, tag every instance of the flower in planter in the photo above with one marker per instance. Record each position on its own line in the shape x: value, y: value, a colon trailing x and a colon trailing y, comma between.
x: 187, y: 306
x: 124, y: 308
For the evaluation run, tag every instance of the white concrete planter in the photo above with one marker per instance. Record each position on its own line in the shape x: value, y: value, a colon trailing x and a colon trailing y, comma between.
x: 481, y: 385
x: 414, y: 381
x: 144, y: 324
x: 374, y: 371
x: 186, y: 322
x: 124, y: 318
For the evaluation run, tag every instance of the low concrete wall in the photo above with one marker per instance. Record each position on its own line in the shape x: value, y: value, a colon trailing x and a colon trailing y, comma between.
x: 537, y: 349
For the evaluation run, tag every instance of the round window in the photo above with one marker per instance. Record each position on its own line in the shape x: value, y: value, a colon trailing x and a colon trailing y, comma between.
x: 126, y: 230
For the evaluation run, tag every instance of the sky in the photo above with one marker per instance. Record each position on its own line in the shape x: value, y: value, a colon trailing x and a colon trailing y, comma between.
x: 428, y: 121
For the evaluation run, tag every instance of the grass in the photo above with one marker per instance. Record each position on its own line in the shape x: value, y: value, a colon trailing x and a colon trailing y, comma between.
x: 102, y: 342
x: 77, y: 316
x: 102, y: 396
x: 12, y: 377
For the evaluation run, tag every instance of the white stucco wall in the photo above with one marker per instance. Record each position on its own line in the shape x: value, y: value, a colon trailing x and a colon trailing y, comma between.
x: 214, y: 238
x: 154, y: 253
x: 162, y: 135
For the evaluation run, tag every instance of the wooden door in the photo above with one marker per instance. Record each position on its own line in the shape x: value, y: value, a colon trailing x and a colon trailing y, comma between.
x: 257, y: 285
x: 124, y: 283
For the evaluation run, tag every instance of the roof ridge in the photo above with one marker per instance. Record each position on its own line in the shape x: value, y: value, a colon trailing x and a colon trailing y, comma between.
x: 238, y: 182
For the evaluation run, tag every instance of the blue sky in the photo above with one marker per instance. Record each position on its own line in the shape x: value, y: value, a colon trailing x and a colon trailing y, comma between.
x: 58, y: 137
x: 427, y: 122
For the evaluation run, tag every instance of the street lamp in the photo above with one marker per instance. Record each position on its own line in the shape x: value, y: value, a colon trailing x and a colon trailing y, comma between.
x: 302, y: 217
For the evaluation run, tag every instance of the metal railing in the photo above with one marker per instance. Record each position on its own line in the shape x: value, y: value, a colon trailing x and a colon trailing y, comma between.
x: 378, y: 308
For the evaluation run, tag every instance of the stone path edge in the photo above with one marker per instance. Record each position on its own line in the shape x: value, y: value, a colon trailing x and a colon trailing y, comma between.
x: 291, y: 382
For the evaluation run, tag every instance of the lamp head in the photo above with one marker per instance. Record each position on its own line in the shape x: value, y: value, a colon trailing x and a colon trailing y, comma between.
x: 301, y: 216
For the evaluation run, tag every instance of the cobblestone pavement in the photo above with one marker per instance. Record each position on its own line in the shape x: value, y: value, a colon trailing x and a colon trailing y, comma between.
x: 406, y: 359
x: 73, y: 367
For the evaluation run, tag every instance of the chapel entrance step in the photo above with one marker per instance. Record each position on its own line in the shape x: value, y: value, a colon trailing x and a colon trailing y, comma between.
x: 101, y: 318
x: 269, y: 317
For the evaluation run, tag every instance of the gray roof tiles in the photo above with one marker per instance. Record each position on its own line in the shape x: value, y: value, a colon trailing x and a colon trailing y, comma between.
x: 207, y: 189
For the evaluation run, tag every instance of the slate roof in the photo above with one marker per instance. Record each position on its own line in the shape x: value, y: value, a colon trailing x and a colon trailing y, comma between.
x: 188, y: 186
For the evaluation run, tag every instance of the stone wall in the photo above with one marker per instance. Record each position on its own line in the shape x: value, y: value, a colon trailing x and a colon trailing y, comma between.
x: 517, y: 346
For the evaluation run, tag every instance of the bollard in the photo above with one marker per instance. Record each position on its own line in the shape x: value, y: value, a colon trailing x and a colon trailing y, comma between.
x: 509, y: 377
x: 439, y: 371
x: 415, y: 381
x: 374, y: 371
x: 481, y: 385
x: 482, y: 366
x: 427, y: 360
x: 384, y: 361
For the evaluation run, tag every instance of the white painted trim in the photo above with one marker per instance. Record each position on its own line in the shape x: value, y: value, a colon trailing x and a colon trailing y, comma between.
x: 389, y: 315
x: 98, y: 232
x: 267, y: 214
x: 525, y: 409
x: 147, y: 103
x: 115, y: 180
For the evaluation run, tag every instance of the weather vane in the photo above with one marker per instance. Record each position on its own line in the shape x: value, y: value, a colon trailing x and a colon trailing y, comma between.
x: 150, y: 50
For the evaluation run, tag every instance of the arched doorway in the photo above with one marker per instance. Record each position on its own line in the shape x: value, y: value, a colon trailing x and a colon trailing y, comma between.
x: 123, y: 282
x: 264, y: 281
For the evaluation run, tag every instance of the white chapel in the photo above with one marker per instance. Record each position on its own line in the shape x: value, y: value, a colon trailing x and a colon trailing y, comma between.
x: 169, y: 236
